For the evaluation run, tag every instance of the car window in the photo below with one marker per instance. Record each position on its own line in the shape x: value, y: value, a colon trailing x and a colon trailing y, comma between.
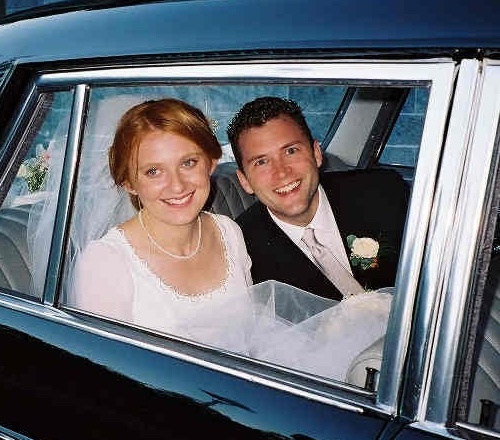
x: 484, y: 391
x: 101, y: 102
x: 480, y: 388
x: 26, y: 220
x: 96, y: 192
x: 220, y: 102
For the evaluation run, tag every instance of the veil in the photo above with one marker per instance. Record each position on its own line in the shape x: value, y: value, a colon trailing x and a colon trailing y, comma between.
x: 42, y: 214
x: 98, y: 205
x: 308, y: 333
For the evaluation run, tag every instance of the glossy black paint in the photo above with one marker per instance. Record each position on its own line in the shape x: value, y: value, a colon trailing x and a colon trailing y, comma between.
x: 220, y: 26
x: 60, y: 382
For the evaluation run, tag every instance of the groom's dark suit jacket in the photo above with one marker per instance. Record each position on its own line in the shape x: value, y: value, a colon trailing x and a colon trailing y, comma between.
x: 366, y: 203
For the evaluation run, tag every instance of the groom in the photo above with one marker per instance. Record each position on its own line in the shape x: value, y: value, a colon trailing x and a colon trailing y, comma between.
x: 355, y: 218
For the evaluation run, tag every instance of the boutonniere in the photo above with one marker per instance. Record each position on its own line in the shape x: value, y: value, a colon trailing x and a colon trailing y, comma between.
x: 364, y: 252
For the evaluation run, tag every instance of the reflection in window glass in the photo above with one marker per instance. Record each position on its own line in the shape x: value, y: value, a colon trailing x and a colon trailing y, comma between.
x: 220, y: 102
x: 484, y: 404
x: 404, y: 142
x: 4, y: 68
x: 28, y: 210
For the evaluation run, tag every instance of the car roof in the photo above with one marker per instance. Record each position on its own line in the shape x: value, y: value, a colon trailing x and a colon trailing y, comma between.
x: 265, y: 26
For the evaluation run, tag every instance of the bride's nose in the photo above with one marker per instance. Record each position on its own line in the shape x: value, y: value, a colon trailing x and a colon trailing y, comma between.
x: 176, y: 182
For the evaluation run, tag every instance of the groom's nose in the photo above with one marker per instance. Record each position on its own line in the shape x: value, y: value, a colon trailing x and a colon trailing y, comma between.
x: 280, y: 168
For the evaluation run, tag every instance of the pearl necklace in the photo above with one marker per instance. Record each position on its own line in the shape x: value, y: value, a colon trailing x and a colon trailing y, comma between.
x: 157, y: 245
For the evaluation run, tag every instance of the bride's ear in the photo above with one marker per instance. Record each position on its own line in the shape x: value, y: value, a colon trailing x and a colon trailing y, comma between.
x: 126, y: 185
x: 213, y: 165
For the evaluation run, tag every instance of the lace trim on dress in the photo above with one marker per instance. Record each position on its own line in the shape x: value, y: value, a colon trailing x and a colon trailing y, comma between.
x: 167, y: 288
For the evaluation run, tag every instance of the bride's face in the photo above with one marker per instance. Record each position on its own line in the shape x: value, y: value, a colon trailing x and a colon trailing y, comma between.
x: 171, y: 176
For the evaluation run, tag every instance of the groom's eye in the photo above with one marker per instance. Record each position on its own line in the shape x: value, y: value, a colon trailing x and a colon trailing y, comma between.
x: 260, y: 162
x: 191, y: 162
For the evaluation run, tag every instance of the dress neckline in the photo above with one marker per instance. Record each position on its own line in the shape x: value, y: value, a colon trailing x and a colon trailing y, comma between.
x: 167, y: 288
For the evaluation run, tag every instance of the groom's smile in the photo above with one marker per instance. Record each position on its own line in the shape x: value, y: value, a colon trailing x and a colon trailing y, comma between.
x: 284, y: 190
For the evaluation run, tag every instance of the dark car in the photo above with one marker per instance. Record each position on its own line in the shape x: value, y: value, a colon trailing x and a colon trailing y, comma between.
x: 412, y: 87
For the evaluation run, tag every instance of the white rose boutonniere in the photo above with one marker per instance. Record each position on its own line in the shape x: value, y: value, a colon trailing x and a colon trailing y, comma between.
x: 364, y: 252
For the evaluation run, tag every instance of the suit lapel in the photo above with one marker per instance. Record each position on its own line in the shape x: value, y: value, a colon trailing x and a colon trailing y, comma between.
x: 278, y: 241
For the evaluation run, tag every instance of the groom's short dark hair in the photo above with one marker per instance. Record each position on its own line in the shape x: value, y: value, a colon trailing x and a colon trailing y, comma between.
x: 259, y: 111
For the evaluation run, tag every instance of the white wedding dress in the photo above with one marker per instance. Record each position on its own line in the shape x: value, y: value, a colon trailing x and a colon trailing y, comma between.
x: 112, y: 281
x: 270, y: 321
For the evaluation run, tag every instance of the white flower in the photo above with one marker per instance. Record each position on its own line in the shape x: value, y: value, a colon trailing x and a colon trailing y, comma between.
x: 365, y: 247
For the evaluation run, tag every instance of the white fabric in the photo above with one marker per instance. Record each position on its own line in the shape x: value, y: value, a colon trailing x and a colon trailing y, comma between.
x: 43, y: 212
x: 270, y: 321
x: 311, y: 334
x: 99, y: 204
x: 111, y: 280
x: 326, y: 228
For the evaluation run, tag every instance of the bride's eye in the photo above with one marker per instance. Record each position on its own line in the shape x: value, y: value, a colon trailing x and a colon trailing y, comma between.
x: 153, y: 171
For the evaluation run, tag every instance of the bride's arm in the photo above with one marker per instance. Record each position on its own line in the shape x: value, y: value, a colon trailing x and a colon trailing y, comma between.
x: 103, y: 283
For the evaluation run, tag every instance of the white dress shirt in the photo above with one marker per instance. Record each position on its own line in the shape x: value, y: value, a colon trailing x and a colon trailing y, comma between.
x: 326, y: 231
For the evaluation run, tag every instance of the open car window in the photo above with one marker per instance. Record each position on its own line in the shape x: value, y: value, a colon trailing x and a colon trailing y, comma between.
x: 25, y: 212
x: 324, y: 94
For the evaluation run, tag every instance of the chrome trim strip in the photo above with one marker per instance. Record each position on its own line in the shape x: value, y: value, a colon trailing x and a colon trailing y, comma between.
x: 462, y: 245
x: 435, y: 267
x: 429, y: 428
x: 77, y: 122
x: 479, y: 430
x: 369, y: 70
x: 415, y: 235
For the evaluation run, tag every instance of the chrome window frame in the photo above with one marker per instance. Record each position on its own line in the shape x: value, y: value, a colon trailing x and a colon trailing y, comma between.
x: 470, y: 149
x: 439, y: 73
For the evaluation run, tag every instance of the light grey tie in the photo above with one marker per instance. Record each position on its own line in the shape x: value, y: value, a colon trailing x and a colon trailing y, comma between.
x: 331, y: 267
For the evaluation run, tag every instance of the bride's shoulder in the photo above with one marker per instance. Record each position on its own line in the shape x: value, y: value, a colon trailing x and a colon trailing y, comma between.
x: 110, y: 243
x: 223, y: 221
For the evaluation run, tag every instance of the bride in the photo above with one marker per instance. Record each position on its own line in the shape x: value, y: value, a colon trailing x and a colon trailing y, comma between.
x: 178, y: 269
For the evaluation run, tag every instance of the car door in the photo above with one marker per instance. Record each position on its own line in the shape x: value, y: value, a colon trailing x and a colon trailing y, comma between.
x: 72, y: 374
x: 460, y: 382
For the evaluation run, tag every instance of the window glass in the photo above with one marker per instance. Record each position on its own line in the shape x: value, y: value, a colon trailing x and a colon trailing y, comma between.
x: 4, y: 68
x: 28, y: 209
x: 484, y: 403
x: 220, y: 102
x: 404, y: 142
x: 97, y: 194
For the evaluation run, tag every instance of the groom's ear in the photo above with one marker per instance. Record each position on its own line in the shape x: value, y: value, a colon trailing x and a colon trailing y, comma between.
x: 318, y: 153
x: 244, y: 182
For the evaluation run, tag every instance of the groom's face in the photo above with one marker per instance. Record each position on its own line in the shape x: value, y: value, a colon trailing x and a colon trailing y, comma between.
x: 281, y: 168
